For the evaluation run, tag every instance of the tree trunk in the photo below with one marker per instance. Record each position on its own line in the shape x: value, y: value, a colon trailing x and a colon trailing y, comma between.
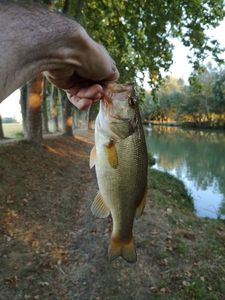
x: 1, y: 129
x: 54, y: 108
x: 91, y: 115
x: 66, y: 6
x: 66, y: 114
x: 80, y: 4
x: 34, y: 101
x: 23, y: 104
x: 44, y: 109
x: 75, y: 118
x: 61, y: 97
x: 68, y: 129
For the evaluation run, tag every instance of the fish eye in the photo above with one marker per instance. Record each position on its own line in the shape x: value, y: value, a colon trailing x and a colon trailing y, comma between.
x: 132, y: 101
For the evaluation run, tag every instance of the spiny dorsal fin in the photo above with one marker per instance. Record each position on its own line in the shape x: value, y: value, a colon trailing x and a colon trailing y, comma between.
x: 112, y: 154
x: 92, y: 157
x: 124, y: 249
x: 141, y: 206
x: 98, y: 207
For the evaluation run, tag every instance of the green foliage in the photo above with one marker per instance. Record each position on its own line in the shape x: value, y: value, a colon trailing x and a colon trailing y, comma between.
x: 170, y: 97
x: 202, y: 102
x: 138, y: 36
x: 219, y: 92
x: 138, y: 33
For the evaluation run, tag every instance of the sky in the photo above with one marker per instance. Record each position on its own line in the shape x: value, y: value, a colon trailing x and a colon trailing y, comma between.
x: 10, y: 107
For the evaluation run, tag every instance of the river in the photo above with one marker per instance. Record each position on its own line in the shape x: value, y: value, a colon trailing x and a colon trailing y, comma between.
x: 197, y: 157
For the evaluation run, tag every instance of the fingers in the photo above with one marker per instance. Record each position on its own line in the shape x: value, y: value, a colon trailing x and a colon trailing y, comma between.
x: 85, y: 81
x: 93, y: 92
x: 84, y: 97
x: 80, y: 103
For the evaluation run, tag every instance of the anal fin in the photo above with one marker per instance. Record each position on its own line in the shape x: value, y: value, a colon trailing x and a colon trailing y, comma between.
x: 141, y: 206
x: 99, y: 208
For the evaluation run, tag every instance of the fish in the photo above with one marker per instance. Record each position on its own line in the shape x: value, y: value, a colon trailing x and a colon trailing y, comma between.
x: 120, y: 160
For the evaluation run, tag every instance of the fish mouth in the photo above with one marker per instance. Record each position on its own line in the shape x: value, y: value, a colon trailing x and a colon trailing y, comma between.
x: 119, y: 92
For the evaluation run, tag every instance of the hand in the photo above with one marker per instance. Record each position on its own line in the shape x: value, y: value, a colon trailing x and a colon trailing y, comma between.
x: 84, y: 97
x: 88, y: 72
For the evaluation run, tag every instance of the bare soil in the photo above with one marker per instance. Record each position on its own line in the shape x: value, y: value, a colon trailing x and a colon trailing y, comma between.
x: 51, y: 247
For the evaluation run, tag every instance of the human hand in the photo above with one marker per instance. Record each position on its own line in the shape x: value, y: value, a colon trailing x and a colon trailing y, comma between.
x: 85, y: 72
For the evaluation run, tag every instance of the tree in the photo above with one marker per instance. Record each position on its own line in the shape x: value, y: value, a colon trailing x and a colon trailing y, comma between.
x: 68, y: 111
x: 170, y: 96
x: 34, y: 101
x: 54, y: 107
x: 202, y: 102
x: 138, y: 33
x: 1, y: 129
x: 61, y: 104
x: 219, y: 93
x: 45, y: 108
x: 23, y: 105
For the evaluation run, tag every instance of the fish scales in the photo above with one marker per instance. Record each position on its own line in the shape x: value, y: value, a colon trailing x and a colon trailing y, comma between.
x: 119, y: 133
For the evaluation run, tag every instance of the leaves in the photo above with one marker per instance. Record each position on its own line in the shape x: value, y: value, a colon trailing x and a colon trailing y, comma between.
x: 143, y: 35
x: 138, y: 33
x: 201, y: 103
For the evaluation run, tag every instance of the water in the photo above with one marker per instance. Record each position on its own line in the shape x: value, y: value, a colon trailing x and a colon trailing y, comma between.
x: 198, y: 159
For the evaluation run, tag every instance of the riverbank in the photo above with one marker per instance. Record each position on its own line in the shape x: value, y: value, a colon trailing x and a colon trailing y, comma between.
x: 51, y: 247
x: 190, y: 125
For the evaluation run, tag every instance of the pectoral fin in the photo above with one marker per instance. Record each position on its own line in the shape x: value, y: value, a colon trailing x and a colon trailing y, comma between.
x: 141, y: 206
x: 99, y: 208
x: 92, y: 157
x: 112, y: 154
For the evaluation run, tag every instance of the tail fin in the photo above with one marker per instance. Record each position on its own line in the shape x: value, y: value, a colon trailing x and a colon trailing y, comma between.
x: 124, y: 249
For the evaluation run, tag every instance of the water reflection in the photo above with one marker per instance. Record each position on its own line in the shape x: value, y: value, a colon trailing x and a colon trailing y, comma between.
x: 198, y: 158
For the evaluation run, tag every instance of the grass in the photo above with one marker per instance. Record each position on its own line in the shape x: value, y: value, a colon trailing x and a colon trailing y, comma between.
x: 194, y: 259
x: 13, y: 130
x: 167, y: 190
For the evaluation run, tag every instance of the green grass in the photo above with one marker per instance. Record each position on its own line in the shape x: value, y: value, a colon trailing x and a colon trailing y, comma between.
x: 169, y: 191
x: 194, y: 249
x: 13, y: 130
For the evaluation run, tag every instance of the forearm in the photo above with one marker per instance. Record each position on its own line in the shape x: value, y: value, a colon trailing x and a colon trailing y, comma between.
x: 34, y: 39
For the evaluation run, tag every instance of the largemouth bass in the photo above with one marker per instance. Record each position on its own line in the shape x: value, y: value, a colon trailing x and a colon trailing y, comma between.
x: 120, y: 159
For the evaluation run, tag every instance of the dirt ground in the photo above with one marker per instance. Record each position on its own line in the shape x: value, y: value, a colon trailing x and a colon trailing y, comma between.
x: 51, y: 247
